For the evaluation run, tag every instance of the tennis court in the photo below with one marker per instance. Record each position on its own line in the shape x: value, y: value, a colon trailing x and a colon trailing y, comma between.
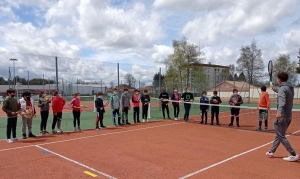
x: 157, y: 149
x: 170, y: 154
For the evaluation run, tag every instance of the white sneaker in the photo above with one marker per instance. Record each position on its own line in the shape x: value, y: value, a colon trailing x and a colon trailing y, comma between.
x: 10, y: 141
x: 291, y: 158
x: 176, y: 119
x: 144, y: 120
x: 59, y: 131
x: 16, y: 139
x: 270, y: 155
x: 147, y: 120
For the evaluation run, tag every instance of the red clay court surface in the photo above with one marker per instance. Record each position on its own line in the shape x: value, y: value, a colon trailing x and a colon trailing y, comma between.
x: 159, y: 149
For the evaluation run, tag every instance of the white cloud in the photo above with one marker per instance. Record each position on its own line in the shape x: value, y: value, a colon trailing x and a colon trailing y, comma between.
x: 6, y: 13
x: 27, y: 38
x: 161, y: 52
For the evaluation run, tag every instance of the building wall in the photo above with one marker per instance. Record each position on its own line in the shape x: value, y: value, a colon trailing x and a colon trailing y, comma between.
x: 212, y: 75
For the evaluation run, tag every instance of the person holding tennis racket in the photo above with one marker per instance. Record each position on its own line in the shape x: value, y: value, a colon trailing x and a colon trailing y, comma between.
x: 58, y: 104
x: 44, y: 106
x: 283, y: 119
x: 264, y: 102
x: 27, y: 106
x: 11, y: 108
x: 75, y: 105
x: 235, y: 100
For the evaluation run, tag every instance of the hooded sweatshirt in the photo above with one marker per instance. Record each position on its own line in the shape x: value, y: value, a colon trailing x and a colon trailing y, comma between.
x: 264, y: 101
x: 285, y: 100
x: 135, y: 100
x: 75, y: 104
x: 58, y: 104
x: 114, y: 102
x: 125, y: 101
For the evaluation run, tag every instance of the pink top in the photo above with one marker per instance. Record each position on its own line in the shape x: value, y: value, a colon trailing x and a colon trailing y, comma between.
x: 75, y: 104
x: 135, y: 100
x: 176, y: 96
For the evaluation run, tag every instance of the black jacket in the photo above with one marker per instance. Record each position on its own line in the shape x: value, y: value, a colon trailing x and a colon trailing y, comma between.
x: 219, y: 101
x: 99, y: 104
x: 145, y: 98
x: 164, y: 95
x: 173, y: 99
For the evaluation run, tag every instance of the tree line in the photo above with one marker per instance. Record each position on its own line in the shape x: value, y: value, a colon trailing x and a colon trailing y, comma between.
x: 24, y: 81
x: 182, y: 69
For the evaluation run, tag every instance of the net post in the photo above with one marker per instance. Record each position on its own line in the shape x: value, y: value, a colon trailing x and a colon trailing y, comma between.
x: 149, y: 111
x: 95, y: 110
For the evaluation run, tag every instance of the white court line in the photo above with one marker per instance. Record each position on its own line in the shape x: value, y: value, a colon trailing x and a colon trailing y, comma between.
x: 78, y: 163
x: 86, y: 137
x: 228, y: 159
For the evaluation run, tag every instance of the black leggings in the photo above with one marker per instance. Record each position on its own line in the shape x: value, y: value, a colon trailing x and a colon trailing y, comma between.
x: 145, y: 111
x: 164, y: 107
x: 56, y: 120
x: 11, y: 127
x: 44, y: 119
x: 76, y: 115
x: 136, y: 114
x: 176, y: 110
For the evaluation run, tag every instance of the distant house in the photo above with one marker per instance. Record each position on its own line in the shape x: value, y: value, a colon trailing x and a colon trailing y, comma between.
x: 228, y: 86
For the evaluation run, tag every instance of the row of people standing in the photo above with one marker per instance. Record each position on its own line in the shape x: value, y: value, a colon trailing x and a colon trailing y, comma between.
x: 187, y: 97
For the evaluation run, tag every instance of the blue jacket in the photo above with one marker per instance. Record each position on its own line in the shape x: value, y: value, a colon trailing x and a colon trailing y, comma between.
x: 206, y: 101
x: 99, y: 104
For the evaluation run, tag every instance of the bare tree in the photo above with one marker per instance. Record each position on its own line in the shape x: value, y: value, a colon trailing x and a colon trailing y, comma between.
x: 129, y: 80
x: 250, y: 62
x: 283, y: 64
x: 142, y: 84
x: 111, y: 84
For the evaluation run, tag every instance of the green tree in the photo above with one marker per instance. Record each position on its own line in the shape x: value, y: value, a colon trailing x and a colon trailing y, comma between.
x: 250, y: 62
x: 183, y: 65
x: 241, y: 77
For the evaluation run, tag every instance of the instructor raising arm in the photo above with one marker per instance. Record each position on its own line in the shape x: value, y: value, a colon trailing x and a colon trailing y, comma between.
x: 283, y: 116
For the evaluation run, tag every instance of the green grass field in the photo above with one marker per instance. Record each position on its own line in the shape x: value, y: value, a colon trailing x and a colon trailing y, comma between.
x: 88, y: 118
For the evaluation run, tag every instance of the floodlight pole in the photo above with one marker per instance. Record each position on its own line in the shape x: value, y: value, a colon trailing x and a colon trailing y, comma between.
x: 13, y: 60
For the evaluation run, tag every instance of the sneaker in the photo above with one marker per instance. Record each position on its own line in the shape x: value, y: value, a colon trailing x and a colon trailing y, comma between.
x: 201, y: 122
x: 291, y: 158
x: 237, y: 125
x: 16, y: 139
x: 54, y: 132
x: 116, y: 125
x: 218, y: 124
x: 121, y: 124
x: 42, y: 133
x: 211, y: 124
x: 270, y: 155
x: 10, y: 141
x: 97, y: 128
x: 31, y: 135
x: 266, y: 129
x: 79, y: 128
x: 169, y: 118
x: 74, y: 129
x: 144, y: 120
x: 147, y: 120
x: 46, y: 132
x: 230, y: 125
x: 258, y: 128
x: 24, y: 136
x: 128, y: 123
x: 59, y: 131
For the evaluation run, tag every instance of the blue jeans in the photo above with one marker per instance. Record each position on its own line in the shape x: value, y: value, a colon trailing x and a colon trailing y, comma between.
x: 187, y: 108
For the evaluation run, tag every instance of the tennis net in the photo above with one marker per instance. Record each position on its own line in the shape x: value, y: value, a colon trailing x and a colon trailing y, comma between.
x: 249, y: 116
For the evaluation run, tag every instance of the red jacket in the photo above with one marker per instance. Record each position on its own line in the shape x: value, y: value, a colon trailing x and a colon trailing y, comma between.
x: 75, y: 104
x: 135, y: 100
x: 58, y: 104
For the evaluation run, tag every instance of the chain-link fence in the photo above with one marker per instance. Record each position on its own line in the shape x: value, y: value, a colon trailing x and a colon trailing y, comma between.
x: 34, y: 73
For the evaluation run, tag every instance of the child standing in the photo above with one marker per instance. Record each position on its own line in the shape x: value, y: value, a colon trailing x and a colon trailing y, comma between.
x: 204, y: 108
x: 11, y: 108
x: 187, y: 96
x: 58, y: 104
x: 164, y: 96
x: 125, y: 103
x: 136, y: 106
x: 115, y: 107
x: 43, y: 104
x: 27, y: 103
x: 100, y: 110
x: 145, y: 103
x: 235, y: 100
x: 216, y: 100
x: 175, y: 98
x: 263, y: 113
x: 75, y: 104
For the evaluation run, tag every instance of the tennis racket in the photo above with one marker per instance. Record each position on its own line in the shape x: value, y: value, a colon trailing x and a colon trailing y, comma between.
x: 63, y: 124
x: 270, y: 70
x: 48, y: 98
x: 27, y: 113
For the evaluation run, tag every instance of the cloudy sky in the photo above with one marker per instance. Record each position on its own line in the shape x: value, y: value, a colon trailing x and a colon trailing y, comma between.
x: 94, y: 35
